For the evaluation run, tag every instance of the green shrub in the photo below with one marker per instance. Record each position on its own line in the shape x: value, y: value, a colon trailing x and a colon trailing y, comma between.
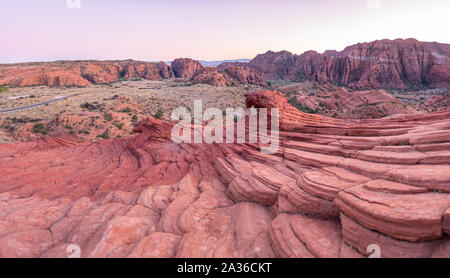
x: 119, y: 125
x: 108, y: 117
x: 159, y: 113
x: 134, y: 119
x: 3, y: 89
x: 104, y: 135
x: 8, y: 127
x: 126, y: 110
x: 38, y: 128
x: 300, y: 107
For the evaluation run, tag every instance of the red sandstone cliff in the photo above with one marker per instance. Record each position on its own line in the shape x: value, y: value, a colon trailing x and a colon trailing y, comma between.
x: 84, y: 73
x: 186, y: 68
x: 211, y: 76
x: 224, y: 75
x: 378, y: 64
x: 80, y: 73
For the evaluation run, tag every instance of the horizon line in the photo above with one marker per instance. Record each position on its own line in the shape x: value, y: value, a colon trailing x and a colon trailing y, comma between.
x: 206, y: 60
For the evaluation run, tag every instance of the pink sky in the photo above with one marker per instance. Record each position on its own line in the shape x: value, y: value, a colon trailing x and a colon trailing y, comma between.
x: 48, y: 30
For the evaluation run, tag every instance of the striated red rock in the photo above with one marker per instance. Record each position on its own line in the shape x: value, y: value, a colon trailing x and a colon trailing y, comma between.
x: 334, y: 188
x: 360, y: 237
x: 241, y: 75
x: 345, y: 104
x: 156, y: 245
x: 85, y: 73
x: 411, y: 217
x: 378, y: 64
x: 230, y: 75
x: 446, y: 221
x: 209, y: 76
x: 186, y: 68
x: 149, y: 71
x: 291, y: 238
x: 25, y: 75
x: 25, y: 244
x: 273, y: 65
x: 306, y: 66
x: 80, y: 73
x: 439, y: 102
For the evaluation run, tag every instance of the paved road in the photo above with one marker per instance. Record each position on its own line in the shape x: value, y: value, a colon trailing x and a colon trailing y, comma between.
x: 39, y: 104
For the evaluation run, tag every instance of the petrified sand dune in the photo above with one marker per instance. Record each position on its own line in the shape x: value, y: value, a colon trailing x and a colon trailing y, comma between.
x: 334, y: 188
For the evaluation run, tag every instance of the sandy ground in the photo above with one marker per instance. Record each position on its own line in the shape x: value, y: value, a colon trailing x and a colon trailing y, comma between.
x: 167, y: 95
x: 151, y: 96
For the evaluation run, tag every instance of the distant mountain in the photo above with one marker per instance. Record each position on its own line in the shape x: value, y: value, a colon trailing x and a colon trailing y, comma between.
x: 379, y: 64
x: 216, y: 63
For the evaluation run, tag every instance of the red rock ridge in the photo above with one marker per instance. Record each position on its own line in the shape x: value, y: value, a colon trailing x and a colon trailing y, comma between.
x: 378, y: 64
x: 80, y: 73
x: 85, y: 73
x: 226, y: 74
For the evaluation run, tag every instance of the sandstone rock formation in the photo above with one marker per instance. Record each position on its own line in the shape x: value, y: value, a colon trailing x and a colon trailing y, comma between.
x: 273, y: 65
x: 85, y: 73
x: 226, y: 74
x: 186, y: 68
x: 80, y: 73
x: 209, y: 76
x: 334, y: 188
x: 378, y: 64
x: 241, y: 75
x: 439, y: 102
x: 344, y: 104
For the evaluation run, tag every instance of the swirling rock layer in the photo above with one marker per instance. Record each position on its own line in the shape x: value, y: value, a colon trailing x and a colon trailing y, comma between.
x: 333, y: 189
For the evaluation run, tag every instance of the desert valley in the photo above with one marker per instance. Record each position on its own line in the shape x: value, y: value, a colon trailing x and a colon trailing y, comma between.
x: 86, y: 157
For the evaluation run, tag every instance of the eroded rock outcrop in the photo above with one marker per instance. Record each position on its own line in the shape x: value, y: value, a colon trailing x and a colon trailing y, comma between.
x: 439, y: 102
x: 378, y: 64
x: 241, y: 75
x: 85, y: 73
x: 226, y: 74
x: 209, y: 76
x: 346, y: 104
x: 333, y: 188
x: 80, y: 73
x: 186, y: 67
